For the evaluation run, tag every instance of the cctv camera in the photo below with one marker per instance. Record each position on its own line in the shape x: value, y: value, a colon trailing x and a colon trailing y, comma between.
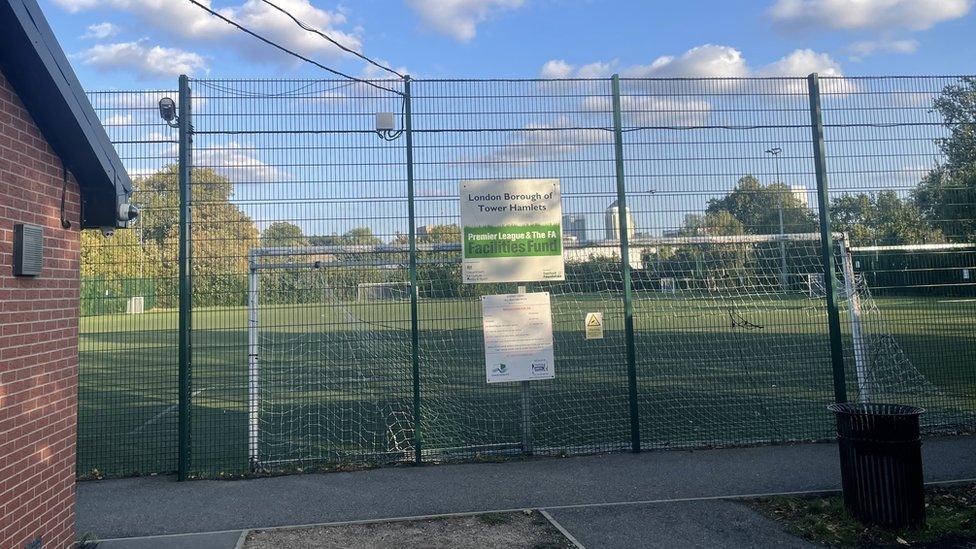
x: 127, y: 212
x: 167, y: 109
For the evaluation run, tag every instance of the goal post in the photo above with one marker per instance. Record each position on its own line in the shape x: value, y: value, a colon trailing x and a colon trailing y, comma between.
x: 362, y: 287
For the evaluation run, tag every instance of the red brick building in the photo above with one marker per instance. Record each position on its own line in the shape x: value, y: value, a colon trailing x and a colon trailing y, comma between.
x: 58, y: 175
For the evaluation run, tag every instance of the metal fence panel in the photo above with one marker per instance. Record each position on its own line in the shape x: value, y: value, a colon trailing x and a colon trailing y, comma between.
x: 311, y: 346
x: 899, y: 146
x: 127, y: 358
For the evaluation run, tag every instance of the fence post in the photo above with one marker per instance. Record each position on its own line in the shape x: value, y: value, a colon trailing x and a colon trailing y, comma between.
x: 185, y: 293
x: 618, y: 149
x: 414, y: 320
x: 826, y: 240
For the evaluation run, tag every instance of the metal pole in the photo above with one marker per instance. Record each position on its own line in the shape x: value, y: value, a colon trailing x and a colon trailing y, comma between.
x: 414, y: 318
x: 253, y: 287
x: 783, y: 281
x: 826, y: 240
x: 526, y: 388
x: 782, y: 247
x: 185, y: 272
x: 854, y: 310
x: 618, y: 149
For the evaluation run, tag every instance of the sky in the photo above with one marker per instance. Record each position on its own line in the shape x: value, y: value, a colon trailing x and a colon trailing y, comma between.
x: 128, y: 44
x: 146, y: 44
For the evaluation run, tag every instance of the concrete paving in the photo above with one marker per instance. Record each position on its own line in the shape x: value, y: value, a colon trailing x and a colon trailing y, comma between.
x: 207, y: 540
x: 159, y: 505
x: 707, y: 523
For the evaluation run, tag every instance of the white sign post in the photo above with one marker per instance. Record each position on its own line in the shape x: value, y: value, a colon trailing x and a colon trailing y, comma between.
x: 511, y: 231
x: 518, y: 337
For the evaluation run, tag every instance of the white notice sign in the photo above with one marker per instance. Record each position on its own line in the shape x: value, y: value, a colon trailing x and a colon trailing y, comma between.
x: 518, y: 337
x: 511, y: 231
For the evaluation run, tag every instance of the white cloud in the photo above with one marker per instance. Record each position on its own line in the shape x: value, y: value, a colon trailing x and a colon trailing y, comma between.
x: 801, y: 63
x: 238, y: 163
x: 145, y: 61
x: 101, y: 31
x: 707, y: 61
x: 545, y: 141
x: 867, y: 14
x: 118, y: 120
x: 557, y: 68
x: 459, y: 19
x: 864, y: 48
x: 654, y: 110
x: 184, y: 20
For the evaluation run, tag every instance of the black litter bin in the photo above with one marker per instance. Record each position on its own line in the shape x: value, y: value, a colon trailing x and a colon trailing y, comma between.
x: 881, y: 463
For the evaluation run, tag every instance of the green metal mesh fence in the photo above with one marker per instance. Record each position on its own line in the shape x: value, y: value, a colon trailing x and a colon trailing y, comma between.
x: 311, y: 348
x: 127, y: 392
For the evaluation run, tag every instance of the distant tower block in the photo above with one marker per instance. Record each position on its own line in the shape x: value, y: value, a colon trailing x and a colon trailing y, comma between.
x: 801, y: 194
x: 574, y: 225
x: 612, y: 222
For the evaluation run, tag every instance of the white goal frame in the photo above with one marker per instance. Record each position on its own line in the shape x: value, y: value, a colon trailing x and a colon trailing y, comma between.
x: 340, y: 256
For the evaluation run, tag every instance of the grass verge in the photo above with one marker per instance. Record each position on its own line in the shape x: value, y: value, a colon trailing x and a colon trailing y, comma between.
x: 950, y: 520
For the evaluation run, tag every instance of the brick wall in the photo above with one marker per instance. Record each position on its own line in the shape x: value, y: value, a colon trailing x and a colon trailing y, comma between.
x: 38, y: 340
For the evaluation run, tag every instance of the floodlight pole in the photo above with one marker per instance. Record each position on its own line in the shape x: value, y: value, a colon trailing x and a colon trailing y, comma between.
x: 776, y: 151
x: 826, y: 240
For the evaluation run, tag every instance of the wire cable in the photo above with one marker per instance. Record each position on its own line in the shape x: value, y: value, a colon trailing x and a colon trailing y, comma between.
x: 290, y: 52
x: 65, y: 224
x: 330, y: 39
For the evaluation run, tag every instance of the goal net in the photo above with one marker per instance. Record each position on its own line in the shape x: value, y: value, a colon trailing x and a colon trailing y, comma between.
x: 738, y: 328
x: 329, y: 356
x: 730, y: 333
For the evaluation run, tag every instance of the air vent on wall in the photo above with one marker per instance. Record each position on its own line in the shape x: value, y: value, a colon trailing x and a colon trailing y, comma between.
x: 28, y: 249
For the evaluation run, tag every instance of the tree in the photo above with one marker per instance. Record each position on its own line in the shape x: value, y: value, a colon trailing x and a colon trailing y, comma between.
x: 222, y: 236
x: 881, y: 219
x: 946, y: 197
x: 357, y: 236
x: 756, y: 206
x: 362, y: 236
x: 115, y: 268
x: 283, y: 234
x: 957, y: 105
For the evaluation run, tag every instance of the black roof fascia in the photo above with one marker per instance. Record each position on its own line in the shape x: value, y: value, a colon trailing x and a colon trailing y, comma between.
x: 37, y: 68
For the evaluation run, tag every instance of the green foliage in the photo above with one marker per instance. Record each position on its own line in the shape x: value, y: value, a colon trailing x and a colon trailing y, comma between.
x: 690, y: 261
x: 222, y: 236
x: 950, y: 520
x: 115, y: 268
x: 957, y: 105
x: 946, y: 197
x: 947, y: 201
x: 756, y: 207
x: 881, y: 218
x: 283, y: 234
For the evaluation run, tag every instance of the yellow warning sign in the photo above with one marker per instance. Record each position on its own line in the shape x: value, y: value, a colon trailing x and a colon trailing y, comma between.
x: 594, y: 325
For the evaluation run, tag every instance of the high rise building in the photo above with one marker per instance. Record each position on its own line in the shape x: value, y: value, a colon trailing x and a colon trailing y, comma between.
x: 574, y: 225
x: 612, y: 222
x: 801, y: 194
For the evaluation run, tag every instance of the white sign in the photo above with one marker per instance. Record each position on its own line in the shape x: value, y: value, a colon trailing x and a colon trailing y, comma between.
x: 511, y: 230
x: 593, y: 325
x: 518, y: 337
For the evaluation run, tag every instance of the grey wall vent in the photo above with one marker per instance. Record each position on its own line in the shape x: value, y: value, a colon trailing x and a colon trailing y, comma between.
x: 28, y: 249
